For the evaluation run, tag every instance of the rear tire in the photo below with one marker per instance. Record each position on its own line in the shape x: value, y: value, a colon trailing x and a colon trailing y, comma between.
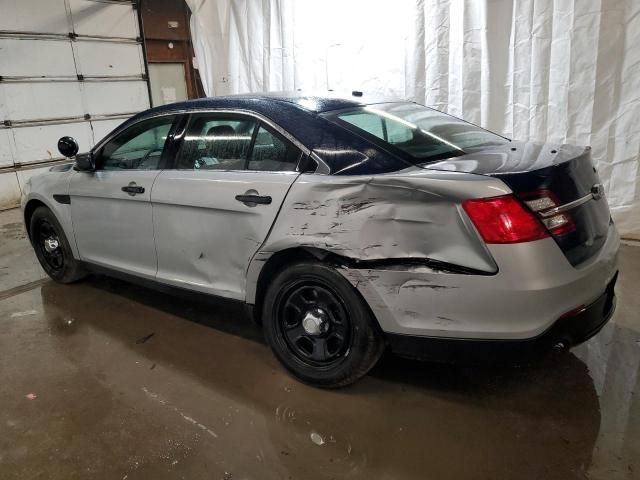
x: 319, y: 327
x: 52, y: 247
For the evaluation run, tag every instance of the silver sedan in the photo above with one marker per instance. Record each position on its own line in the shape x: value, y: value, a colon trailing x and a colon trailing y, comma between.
x: 345, y: 226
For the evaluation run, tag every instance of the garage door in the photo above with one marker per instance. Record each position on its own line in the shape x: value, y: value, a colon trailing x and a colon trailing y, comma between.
x: 67, y: 67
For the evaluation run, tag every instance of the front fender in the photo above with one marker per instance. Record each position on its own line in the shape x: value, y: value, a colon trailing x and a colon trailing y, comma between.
x: 40, y: 189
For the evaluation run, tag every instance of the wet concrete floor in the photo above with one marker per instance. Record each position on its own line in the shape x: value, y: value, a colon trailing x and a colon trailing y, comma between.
x: 104, y: 379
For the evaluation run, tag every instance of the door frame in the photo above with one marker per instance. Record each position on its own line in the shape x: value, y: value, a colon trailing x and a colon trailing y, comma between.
x: 177, y: 134
x: 167, y: 149
x: 176, y: 147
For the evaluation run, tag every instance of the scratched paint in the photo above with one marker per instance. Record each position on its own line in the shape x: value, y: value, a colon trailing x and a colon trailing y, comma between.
x: 408, y: 214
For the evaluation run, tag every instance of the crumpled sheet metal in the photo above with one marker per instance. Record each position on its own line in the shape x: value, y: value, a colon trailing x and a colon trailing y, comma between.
x: 410, y: 214
x: 418, y: 300
x: 398, y: 296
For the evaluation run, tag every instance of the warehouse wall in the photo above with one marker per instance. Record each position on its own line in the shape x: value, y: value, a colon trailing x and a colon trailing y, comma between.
x: 67, y: 67
x: 168, y: 41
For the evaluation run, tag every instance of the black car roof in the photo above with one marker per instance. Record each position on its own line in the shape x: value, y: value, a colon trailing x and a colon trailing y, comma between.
x: 259, y: 102
x: 300, y: 115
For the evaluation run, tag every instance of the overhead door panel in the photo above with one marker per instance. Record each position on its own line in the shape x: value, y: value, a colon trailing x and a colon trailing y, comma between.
x: 9, y: 188
x: 121, y: 59
x: 34, y: 16
x: 47, y: 58
x: 68, y: 67
x: 40, y: 100
x: 38, y: 143
x: 104, y: 19
x: 4, y: 115
x: 6, y: 155
x: 102, y: 127
x: 106, y: 98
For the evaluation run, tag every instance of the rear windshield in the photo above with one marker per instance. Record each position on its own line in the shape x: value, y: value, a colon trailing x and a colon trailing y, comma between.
x: 421, y: 133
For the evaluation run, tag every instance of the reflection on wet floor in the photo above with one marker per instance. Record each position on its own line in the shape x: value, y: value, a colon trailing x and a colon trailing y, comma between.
x: 128, y: 382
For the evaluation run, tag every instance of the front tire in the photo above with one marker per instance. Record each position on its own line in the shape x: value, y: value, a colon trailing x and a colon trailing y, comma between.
x: 318, y: 326
x: 52, y: 247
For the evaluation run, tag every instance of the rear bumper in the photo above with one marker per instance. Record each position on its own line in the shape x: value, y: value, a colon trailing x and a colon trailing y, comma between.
x: 534, y: 286
x: 570, y: 330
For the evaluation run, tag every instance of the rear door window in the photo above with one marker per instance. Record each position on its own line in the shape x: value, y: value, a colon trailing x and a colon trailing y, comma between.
x: 216, y: 142
x: 235, y: 142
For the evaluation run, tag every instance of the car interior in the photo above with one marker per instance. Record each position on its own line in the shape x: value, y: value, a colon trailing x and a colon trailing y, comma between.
x: 224, y: 145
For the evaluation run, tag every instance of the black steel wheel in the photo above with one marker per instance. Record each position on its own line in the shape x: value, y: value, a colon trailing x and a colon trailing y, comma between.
x: 48, y: 243
x: 52, y: 248
x: 319, y: 327
x: 314, y: 323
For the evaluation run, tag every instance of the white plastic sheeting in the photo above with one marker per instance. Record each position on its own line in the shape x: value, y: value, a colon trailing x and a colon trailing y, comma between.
x: 556, y: 70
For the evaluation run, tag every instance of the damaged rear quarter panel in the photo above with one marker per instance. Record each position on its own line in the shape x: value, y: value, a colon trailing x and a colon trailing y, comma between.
x: 414, y: 213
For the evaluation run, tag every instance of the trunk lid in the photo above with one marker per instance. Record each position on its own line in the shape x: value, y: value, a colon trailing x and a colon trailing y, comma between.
x: 566, y: 171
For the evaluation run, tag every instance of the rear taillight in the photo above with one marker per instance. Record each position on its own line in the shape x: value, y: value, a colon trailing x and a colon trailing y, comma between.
x: 545, y: 200
x: 504, y: 219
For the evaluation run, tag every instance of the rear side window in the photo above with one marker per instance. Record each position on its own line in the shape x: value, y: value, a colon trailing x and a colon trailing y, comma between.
x: 216, y: 142
x: 272, y: 153
x: 420, y: 133
x: 372, y: 124
x: 235, y: 142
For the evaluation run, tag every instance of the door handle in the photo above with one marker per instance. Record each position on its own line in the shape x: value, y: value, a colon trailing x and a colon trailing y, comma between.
x: 133, y: 189
x: 253, y: 200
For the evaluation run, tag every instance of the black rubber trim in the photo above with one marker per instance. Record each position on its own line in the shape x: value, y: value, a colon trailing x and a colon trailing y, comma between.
x: 435, y: 265
x: 64, y: 199
x: 568, y: 330
x: 159, y: 286
x: 394, y: 263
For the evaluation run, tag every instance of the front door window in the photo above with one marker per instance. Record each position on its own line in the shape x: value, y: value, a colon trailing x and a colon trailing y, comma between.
x: 215, y: 142
x: 137, y: 148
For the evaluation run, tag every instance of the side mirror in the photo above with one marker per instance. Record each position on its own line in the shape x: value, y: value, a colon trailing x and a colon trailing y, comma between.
x: 67, y: 146
x: 85, y: 162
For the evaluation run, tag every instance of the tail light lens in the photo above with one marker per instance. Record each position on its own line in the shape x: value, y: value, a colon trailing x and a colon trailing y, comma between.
x: 544, y: 200
x: 504, y: 219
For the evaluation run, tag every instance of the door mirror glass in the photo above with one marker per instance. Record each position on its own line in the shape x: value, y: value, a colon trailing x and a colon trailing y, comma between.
x: 85, y: 162
x: 67, y: 146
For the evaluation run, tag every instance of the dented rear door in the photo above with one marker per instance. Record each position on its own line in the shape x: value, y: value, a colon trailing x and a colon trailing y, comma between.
x: 214, y: 210
x: 205, y: 237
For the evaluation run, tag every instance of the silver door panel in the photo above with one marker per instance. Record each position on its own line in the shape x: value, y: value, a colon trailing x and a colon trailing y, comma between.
x: 205, y: 238
x: 114, y: 228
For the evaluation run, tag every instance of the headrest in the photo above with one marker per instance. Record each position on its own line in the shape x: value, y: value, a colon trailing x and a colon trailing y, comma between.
x: 221, y: 131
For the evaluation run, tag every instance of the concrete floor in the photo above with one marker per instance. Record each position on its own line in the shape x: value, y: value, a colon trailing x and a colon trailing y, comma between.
x: 104, y: 379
